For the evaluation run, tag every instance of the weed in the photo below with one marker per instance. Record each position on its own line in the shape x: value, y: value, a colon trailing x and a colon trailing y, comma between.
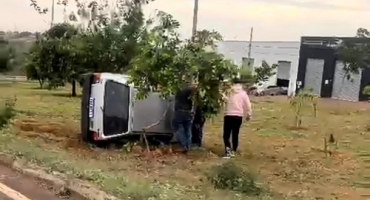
x: 303, y: 98
x: 7, y: 112
x: 232, y: 177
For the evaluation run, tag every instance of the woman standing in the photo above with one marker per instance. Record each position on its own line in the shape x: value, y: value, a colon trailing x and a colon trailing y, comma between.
x: 237, y: 104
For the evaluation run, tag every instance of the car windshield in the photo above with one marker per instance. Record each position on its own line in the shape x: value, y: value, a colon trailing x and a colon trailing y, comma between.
x: 116, y: 108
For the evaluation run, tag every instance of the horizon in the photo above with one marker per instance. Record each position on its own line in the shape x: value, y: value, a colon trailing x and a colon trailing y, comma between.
x: 272, y: 20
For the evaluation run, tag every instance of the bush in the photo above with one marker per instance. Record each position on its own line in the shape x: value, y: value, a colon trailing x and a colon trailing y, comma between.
x: 7, y: 112
x: 366, y: 90
x: 232, y: 177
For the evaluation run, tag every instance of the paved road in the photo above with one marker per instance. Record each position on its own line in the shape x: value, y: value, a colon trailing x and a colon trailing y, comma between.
x: 15, y: 186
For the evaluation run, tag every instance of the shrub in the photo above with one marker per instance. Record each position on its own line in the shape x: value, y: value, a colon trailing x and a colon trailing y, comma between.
x: 366, y: 90
x: 7, y: 112
x: 232, y: 177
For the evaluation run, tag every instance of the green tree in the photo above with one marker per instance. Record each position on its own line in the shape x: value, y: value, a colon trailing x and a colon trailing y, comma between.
x: 7, y: 55
x: 246, y: 76
x: 52, y: 58
x: 150, y: 51
x: 260, y: 74
x: 35, y: 69
x: 165, y: 62
x: 355, y: 55
x: 108, y: 44
x: 264, y: 72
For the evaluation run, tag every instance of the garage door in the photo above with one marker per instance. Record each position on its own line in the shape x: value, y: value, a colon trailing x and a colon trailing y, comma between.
x: 313, y: 77
x: 343, y: 88
x: 283, y: 70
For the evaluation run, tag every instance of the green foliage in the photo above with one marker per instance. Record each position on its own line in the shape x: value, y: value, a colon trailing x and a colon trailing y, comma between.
x: 149, y: 51
x: 40, y: 10
x: 166, y: 62
x: 355, y: 55
x: 303, y: 99
x: 7, y: 112
x: 232, y: 177
x: 264, y: 72
x: 65, y: 53
x: 261, y: 74
x: 6, y: 57
x: 366, y: 90
x: 61, y: 31
x: 246, y: 75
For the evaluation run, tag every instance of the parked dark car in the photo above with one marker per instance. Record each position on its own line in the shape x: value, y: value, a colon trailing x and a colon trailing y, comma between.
x: 274, y: 91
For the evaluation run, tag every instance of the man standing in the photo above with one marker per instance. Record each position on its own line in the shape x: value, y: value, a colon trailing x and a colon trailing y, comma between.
x: 197, y: 127
x: 183, y: 116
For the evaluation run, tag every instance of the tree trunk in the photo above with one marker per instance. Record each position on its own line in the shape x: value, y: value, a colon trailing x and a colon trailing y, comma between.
x: 74, y: 93
x: 41, y: 83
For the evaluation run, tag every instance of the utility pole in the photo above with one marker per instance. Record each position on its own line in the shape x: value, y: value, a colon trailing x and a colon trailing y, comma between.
x: 52, y: 13
x: 195, y: 19
x: 193, y: 33
x: 250, y: 46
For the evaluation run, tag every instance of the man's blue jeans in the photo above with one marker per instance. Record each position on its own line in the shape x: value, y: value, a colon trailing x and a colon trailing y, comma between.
x: 182, y: 122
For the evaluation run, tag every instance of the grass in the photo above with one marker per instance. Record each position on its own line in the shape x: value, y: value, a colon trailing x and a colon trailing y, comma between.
x: 286, y: 162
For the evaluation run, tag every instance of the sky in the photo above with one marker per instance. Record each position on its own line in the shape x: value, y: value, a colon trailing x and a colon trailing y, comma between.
x: 272, y: 20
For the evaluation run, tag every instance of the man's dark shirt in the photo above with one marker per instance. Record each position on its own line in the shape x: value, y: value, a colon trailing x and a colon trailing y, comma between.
x: 183, y: 99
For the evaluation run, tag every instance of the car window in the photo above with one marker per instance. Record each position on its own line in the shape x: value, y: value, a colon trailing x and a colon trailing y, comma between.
x: 116, y: 108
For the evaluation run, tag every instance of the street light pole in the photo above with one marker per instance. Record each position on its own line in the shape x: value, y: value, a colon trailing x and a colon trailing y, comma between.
x: 193, y: 33
x: 52, y: 13
x: 195, y: 19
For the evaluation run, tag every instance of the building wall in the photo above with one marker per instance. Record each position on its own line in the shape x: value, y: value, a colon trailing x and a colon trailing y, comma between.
x: 334, y: 84
x: 316, y: 52
x: 272, y: 52
x: 344, y: 88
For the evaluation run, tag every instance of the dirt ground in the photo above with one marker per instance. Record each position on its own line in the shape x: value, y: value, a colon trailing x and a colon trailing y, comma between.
x: 290, y: 161
x: 28, y: 187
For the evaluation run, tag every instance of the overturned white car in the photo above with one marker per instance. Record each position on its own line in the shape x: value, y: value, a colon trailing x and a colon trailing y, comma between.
x: 109, y: 109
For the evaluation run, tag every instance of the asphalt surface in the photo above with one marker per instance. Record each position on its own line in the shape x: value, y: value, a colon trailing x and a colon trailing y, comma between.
x: 16, y: 186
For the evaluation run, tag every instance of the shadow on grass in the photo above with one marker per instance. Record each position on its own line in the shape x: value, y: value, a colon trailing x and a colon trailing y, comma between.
x: 155, y: 141
x: 37, y: 88
x: 7, y: 84
x: 64, y: 94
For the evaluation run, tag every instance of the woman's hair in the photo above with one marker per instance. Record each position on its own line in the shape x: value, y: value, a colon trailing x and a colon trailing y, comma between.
x: 237, y: 81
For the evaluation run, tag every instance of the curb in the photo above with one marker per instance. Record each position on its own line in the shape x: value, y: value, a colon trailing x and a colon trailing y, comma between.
x: 66, y: 186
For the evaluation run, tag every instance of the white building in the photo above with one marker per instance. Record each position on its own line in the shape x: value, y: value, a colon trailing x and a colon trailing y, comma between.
x: 285, y: 54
